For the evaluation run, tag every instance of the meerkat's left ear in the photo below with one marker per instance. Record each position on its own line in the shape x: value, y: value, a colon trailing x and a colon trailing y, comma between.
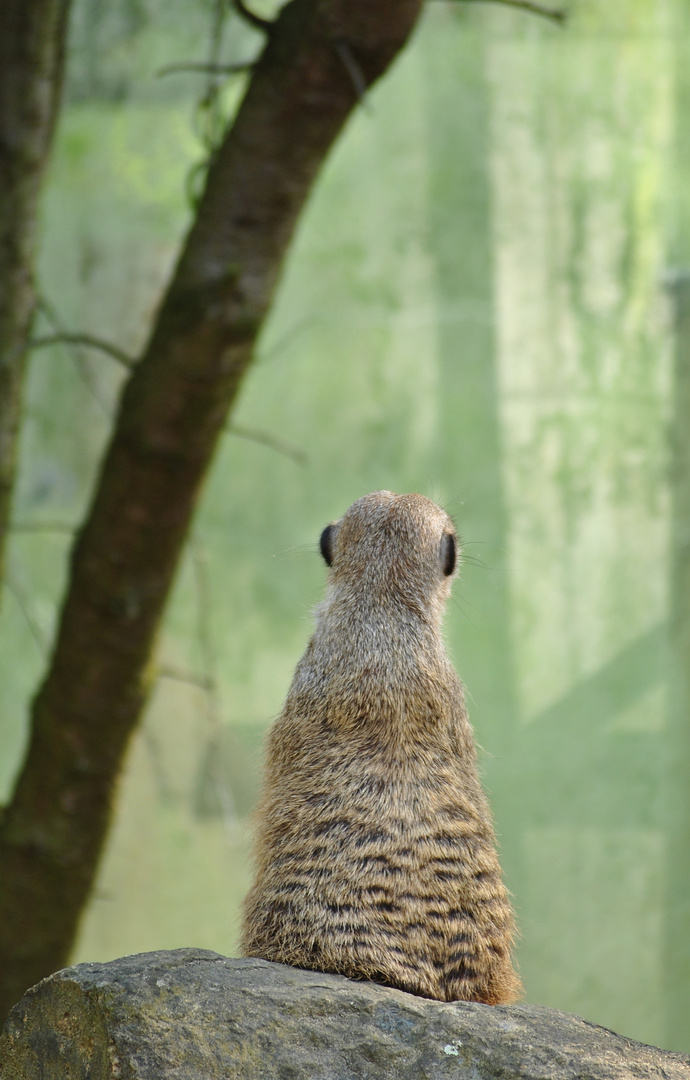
x: 326, y: 545
x: 449, y: 553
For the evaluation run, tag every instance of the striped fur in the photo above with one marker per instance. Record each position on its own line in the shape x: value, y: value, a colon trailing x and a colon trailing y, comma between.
x: 375, y: 852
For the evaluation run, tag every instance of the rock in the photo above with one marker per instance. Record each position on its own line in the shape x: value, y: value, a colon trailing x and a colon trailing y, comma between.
x: 195, y: 1015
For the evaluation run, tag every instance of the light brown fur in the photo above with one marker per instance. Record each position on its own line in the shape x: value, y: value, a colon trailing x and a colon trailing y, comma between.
x: 375, y: 852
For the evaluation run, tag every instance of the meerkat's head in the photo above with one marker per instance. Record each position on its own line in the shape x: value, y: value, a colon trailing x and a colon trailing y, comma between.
x: 392, y: 548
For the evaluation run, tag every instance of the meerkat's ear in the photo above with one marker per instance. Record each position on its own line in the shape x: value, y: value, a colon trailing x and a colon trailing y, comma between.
x: 326, y: 545
x: 448, y: 553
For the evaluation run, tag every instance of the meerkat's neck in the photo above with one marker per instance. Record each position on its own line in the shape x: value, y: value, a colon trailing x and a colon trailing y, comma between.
x: 396, y: 651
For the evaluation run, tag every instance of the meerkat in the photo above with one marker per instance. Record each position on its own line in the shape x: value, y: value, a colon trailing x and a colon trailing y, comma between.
x: 374, y: 846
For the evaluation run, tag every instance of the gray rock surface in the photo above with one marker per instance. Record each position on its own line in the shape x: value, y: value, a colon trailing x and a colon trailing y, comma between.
x: 195, y: 1015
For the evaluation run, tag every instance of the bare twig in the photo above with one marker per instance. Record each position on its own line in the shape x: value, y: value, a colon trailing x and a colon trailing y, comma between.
x: 151, y: 743
x: 353, y: 69
x: 188, y: 677
x: 281, y: 345
x: 87, y: 340
x: 558, y: 15
x: 204, y: 632
x: 209, y: 122
x: 209, y: 666
x: 43, y: 526
x: 268, y: 440
x: 25, y: 606
x: 216, y: 37
x: 264, y: 25
x: 83, y: 371
x: 48, y: 311
x: 207, y: 68
x: 87, y: 377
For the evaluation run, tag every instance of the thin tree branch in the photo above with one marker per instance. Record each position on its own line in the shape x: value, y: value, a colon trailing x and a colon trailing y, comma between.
x: 25, y: 606
x: 43, y: 526
x: 354, y: 71
x: 204, y: 632
x: 209, y: 121
x: 264, y: 25
x: 199, y: 681
x: 89, y: 341
x: 224, y: 794
x: 269, y: 440
x: 45, y: 308
x: 558, y: 15
x: 149, y: 740
x: 282, y: 343
x: 206, y: 68
x: 83, y: 371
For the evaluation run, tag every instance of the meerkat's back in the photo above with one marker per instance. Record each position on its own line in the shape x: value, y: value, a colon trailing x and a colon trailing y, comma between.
x: 375, y: 851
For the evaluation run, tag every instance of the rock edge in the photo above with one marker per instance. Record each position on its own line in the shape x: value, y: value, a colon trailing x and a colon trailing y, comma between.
x: 195, y: 1015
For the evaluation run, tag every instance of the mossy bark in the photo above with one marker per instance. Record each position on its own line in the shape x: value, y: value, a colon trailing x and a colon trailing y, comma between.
x: 172, y: 411
x: 32, y: 45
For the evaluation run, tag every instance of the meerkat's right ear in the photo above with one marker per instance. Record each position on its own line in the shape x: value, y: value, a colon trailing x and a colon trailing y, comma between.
x: 448, y: 553
x: 326, y: 545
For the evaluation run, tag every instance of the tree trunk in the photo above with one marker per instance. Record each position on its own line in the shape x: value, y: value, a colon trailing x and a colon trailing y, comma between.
x: 32, y: 45
x: 172, y: 411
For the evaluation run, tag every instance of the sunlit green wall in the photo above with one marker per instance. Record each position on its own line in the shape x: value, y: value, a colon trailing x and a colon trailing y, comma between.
x: 474, y: 308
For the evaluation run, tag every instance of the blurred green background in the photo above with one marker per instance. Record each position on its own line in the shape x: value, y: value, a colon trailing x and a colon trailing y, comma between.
x: 477, y: 307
